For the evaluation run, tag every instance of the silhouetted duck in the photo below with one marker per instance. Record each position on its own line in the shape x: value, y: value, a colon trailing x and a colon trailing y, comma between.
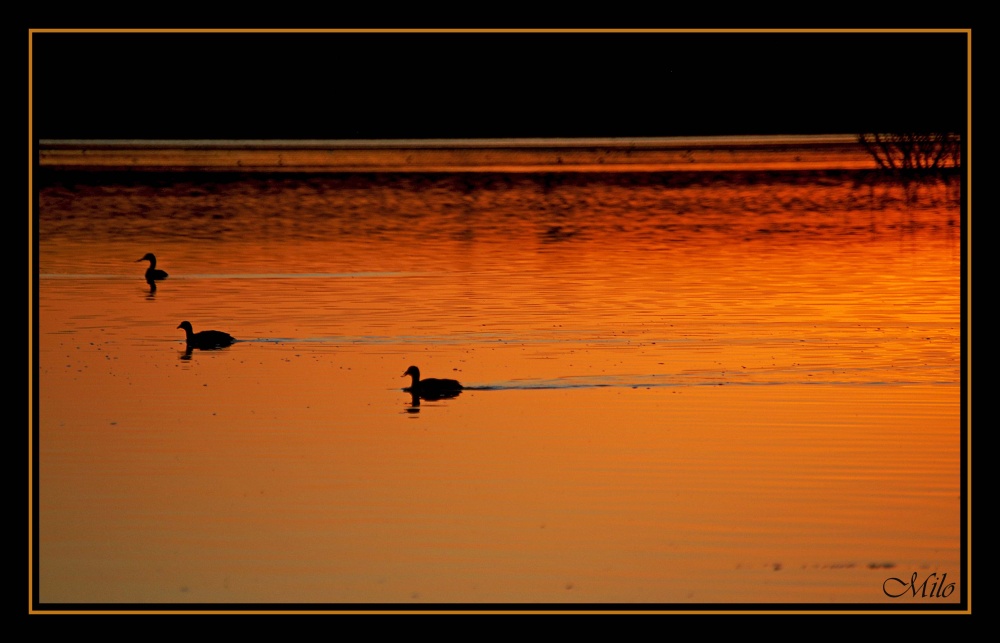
x: 206, y: 339
x: 432, y: 387
x: 152, y: 274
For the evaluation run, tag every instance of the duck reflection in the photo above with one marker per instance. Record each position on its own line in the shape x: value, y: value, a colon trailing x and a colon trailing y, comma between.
x: 414, y: 406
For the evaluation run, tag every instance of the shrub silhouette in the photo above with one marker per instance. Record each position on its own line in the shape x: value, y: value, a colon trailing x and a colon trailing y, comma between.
x: 914, y: 152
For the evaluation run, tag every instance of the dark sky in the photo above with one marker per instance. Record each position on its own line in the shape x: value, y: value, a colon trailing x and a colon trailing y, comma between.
x: 387, y: 85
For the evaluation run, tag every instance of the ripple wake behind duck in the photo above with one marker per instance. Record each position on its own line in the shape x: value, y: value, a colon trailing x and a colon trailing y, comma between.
x: 776, y: 377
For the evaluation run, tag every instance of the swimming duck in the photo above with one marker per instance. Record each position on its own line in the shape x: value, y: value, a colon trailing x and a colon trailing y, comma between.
x: 432, y: 387
x: 152, y: 274
x: 206, y: 339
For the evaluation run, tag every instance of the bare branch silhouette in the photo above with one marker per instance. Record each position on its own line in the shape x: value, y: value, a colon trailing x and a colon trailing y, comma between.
x: 913, y: 152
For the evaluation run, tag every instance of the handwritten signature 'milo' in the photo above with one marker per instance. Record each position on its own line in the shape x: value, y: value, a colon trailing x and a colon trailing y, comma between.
x: 938, y: 588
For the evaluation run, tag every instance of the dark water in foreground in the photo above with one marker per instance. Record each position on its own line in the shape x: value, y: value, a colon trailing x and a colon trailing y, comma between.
x: 689, y: 389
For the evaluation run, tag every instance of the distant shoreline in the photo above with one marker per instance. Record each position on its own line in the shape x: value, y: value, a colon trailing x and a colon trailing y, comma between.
x: 684, y: 154
x: 530, y: 142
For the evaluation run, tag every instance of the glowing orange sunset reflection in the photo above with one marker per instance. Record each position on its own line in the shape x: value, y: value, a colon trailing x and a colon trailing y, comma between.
x: 711, y: 391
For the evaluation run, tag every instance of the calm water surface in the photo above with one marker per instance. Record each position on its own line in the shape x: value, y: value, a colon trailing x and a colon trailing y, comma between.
x: 738, y: 388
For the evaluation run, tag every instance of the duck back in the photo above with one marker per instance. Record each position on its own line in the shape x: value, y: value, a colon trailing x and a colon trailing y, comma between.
x: 431, y: 387
x: 206, y: 339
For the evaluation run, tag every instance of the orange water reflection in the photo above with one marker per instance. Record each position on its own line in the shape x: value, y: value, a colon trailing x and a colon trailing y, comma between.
x: 711, y: 392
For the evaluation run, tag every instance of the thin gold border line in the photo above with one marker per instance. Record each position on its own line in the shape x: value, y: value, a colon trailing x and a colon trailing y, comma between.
x: 967, y: 429
x: 31, y: 334
x: 498, y: 31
